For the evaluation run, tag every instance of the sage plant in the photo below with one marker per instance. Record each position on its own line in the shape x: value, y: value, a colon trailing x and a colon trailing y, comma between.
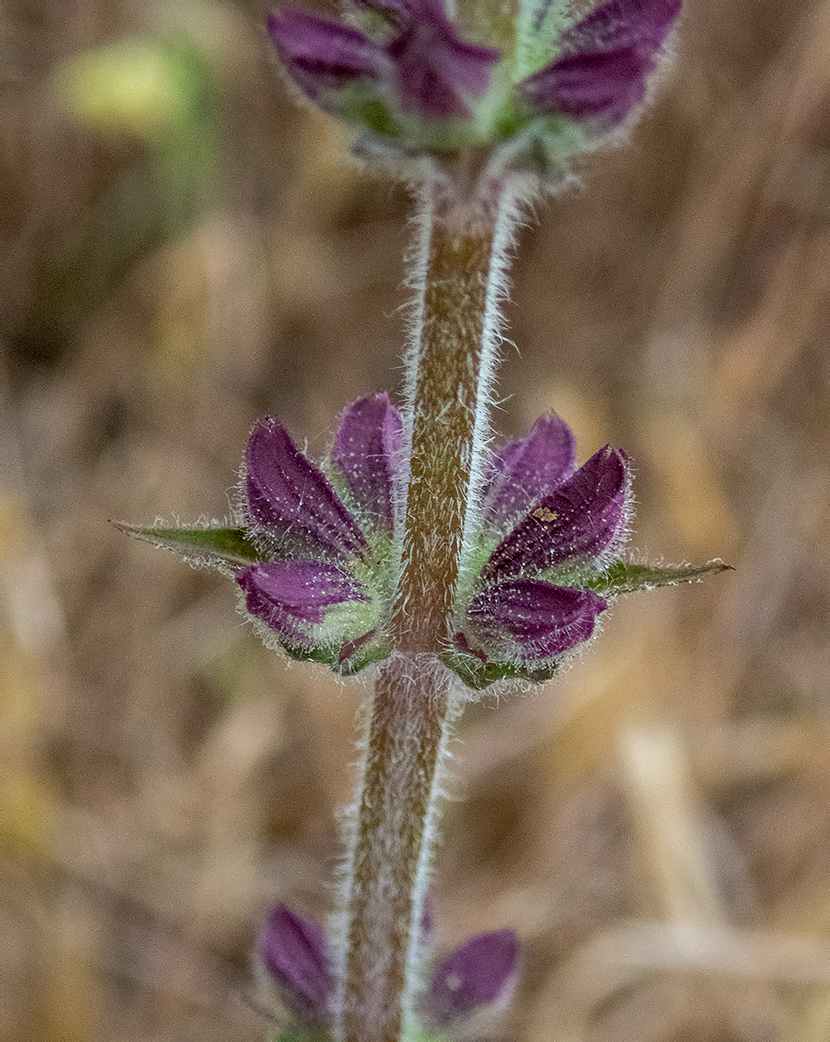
x: 417, y: 550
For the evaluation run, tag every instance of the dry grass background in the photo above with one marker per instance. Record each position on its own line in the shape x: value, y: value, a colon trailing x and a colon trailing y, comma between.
x: 657, y: 823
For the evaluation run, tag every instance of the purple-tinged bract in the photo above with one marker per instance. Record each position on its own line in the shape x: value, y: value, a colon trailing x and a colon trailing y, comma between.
x: 323, y: 56
x: 602, y: 85
x: 582, y: 519
x: 293, y: 952
x: 473, y: 984
x: 542, y: 459
x: 437, y: 70
x: 532, y: 620
x: 643, y: 24
x: 368, y: 449
x: 604, y: 62
x: 289, y: 596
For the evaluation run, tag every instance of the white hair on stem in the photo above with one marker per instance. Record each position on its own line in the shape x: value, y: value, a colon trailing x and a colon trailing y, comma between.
x: 498, y: 288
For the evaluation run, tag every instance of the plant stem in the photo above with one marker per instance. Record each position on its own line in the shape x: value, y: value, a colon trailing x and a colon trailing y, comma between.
x: 450, y: 371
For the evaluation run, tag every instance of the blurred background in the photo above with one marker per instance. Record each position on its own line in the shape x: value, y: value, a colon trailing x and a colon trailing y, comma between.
x: 183, y: 250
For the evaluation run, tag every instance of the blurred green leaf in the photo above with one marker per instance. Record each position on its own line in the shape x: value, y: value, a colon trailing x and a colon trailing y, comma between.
x: 163, y: 92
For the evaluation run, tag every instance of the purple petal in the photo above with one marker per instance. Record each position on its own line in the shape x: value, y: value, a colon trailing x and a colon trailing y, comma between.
x: 483, y: 972
x: 528, y: 468
x: 533, y: 620
x: 643, y: 24
x: 321, y: 55
x: 291, y: 498
x: 291, y: 596
x: 293, y: 951
x: 583, y: 518
x: 436, y: 68
x: 367, y: 449
x: 603, y: 85
x: 605, y: 60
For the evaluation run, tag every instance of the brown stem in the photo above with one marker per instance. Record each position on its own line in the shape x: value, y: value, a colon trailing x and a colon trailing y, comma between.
x: 447, y: 400
x: 409, y: 712
x: 412, y: 708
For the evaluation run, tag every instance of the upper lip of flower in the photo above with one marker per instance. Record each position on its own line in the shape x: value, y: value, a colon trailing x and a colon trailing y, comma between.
x: 290, y: 500
x: 582, y: 518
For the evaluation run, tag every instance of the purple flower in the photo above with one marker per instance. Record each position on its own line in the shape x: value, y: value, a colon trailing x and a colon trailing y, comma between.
x: 473, y: 984
x: 533, y: 620
x: 289, y: 596
x: 604, y: 64
x: 551, y: 529
x: 368, y: 449
x: 293, y: 952
x: 316, y: 588
x: 323, y: 56
x: 290, y: 501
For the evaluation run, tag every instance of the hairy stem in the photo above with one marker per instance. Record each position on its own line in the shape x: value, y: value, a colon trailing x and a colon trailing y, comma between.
x: 451, y: 364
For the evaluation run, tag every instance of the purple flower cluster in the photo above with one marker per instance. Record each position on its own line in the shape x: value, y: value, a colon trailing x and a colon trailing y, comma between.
x: 406, y: 72
x: 473, y: 983
x: 316, y: 553
x: 326, y: 576
x: 426, y: 63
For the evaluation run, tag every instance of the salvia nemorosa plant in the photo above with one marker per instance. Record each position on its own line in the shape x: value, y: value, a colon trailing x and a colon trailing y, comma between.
x: 417, y: 547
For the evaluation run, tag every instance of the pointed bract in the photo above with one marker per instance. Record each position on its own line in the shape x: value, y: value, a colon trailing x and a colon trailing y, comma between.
x: 622, y: 577
x: 526, y: 469
x: 293, y: 596
x: 530, y: 620
x: 479, y: 977
x: 294, y: 954
x: 583, y: 519
x: 290, y: 500
x: 368, y: 450
x: 224, y: 548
